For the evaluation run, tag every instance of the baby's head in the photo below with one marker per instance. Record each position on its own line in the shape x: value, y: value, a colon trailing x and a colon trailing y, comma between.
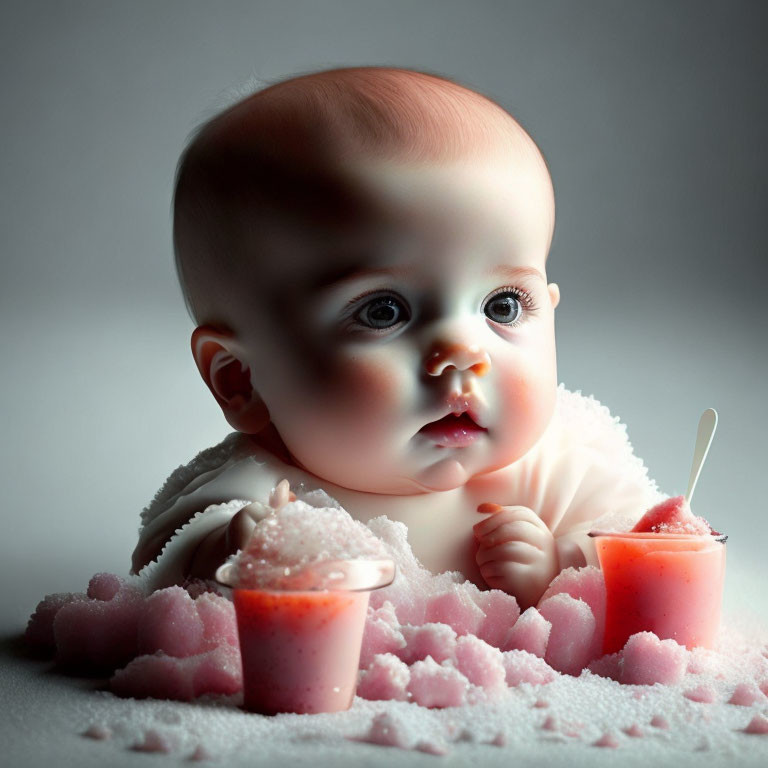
x: 363, y: 252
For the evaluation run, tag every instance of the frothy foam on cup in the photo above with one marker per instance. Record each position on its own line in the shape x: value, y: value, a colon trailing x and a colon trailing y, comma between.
x: 672, y: 515
x: 299, y: 546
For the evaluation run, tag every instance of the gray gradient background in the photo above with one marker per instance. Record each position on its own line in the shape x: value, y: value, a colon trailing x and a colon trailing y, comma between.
x: 651, y: 115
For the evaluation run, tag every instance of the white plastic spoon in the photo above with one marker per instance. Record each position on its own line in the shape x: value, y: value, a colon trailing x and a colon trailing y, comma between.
x: 707, y: 426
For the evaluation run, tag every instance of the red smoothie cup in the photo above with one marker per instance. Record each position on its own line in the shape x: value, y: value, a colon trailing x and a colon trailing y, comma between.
x: 665, y: 583
x: 300, y: 648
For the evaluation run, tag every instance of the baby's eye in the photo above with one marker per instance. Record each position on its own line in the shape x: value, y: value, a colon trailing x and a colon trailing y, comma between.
x: 382, y: 312
x: 504, y: 307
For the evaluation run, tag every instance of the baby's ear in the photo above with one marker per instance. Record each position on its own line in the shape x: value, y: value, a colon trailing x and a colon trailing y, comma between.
x: 228, y: 379
x: 554, y: 294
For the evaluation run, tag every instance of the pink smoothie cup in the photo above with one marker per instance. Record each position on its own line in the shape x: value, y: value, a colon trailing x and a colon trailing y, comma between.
x: 300, y: 648
x: 665, y: 583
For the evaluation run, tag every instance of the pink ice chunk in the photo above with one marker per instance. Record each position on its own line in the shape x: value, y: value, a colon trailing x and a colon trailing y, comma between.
x: 573, y: 628
x: 550, y: 724
x: 647, y: 660
x: 381, y: 635
x: 217, y: 672
x: 386, y: 678
x: 523, y: 667
x: 437, y: 685
x: 39, y: 632
x: 481, y: 664
x: 606, y: 666
x: 746, y: 694
x: 98, y: 732
x: 585, y: 584
x: 200, y: 753
x: 432, y: 748
x: 217, y: 615
x: 672, y: 515
x: 412, y: 584
x: 158, y: 676
x: 97, y: 634
x: 530, y: 633
x: 757, y: 725
x: 154, y: 741
x: 407, y: 598
x: 388, y: 731
x: 668, y: 512
x: 455, y: 608
x: 501, y: 612
x: 701, y: 693
x: 104, y: 586
x: 170, y: 623
x: 634, y: 731
x: 607, y: 740
x: 166, y: 677
x: 435, y: 640
x: 658, y: 721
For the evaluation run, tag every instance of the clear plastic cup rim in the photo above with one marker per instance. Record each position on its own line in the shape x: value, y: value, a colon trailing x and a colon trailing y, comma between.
x: 651, y: 535
x: 329, y: 575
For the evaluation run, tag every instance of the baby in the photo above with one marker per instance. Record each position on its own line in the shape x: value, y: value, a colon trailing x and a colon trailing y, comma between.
x: 364, y: 254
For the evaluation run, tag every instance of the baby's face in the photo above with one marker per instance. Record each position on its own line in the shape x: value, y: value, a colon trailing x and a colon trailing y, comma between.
x: 365, y: 335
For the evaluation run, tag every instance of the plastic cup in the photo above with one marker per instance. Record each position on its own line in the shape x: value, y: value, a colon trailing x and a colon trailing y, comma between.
x: 668, y: 584
x: 300, y: 648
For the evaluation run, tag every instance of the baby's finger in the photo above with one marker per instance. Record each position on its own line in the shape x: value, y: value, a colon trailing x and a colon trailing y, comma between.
x: 505, y: 515
x: 281, y: 494
x: 508, y: 552
x: 519, y: 530
x: 503, y: 570
x: 239, y: 530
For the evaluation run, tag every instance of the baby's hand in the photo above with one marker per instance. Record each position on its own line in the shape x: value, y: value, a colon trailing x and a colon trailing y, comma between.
x: 516, y: 552
x: 242, y: 524
x: 225, y: 541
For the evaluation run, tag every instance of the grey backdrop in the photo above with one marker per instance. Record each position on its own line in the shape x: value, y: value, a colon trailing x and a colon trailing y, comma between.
x: 652, y: 116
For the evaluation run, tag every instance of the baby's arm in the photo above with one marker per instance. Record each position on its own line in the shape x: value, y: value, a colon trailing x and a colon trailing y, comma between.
x: 516, y: 552
x: 193, y: 525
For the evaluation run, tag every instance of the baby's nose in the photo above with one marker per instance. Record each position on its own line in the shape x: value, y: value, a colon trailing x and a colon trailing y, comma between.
x: 463, y: 357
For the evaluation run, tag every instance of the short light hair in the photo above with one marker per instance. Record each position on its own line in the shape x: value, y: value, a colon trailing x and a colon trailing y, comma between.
x: 278, y: 148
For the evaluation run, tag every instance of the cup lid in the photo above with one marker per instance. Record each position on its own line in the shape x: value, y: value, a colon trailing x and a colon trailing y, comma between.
x: 346, y: 575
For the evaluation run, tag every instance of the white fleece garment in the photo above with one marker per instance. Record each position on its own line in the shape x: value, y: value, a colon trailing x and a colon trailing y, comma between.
x: 581, y: 470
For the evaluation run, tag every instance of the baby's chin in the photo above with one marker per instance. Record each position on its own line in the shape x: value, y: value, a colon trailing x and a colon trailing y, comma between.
x: 444, y: 475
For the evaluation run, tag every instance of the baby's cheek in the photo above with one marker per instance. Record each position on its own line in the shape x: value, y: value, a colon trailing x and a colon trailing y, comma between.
x: 367, y: 388
x: 528, y: 402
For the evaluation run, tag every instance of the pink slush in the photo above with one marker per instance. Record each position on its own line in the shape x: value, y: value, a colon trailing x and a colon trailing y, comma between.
x: 300, y: 650
x: 668, y: 584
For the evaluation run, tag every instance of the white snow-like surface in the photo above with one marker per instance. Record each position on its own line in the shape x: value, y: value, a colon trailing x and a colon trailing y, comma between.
x: 559, y: 724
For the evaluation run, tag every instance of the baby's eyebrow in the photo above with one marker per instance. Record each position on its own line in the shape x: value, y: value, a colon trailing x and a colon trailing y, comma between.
x: 349, y: 274
x: 511, y: 273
